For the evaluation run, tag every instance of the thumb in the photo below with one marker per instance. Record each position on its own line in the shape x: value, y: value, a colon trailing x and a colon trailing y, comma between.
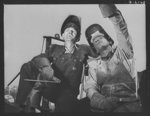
x: 56, y: 79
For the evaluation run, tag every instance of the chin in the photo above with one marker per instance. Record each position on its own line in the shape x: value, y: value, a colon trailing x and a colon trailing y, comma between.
x: 67, y: 40
x: 102, y: 52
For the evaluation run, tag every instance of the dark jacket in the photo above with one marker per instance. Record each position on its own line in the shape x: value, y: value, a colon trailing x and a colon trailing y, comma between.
x: 28, y: 70
x: 69, y: 67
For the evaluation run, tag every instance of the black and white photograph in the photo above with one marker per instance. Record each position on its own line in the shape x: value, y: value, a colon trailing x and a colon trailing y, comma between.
x: 74, y: 57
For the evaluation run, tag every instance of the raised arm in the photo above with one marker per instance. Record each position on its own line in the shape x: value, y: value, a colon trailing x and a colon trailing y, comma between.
x: 124, y: 40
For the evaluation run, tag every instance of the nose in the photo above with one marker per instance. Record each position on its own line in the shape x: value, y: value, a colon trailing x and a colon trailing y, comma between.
x: 71, y: 32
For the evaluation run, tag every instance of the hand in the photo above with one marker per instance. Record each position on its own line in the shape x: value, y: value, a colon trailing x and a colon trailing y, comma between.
x: 107, y: 10
x: 46, y: 73
x: 56, y: 79
x: 104, y: 103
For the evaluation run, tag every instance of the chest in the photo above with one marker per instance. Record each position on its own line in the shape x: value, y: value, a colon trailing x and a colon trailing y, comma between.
x: 68, y: 62
x: 111, y: 71
x: 108, y: 67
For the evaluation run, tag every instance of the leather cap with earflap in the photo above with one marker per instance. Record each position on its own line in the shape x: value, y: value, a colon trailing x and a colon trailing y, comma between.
x: 72, y: 21
x: 94, y: 28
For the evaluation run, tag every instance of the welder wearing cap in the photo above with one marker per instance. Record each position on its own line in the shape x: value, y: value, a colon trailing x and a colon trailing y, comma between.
x: 110, y: 84
x: 39, y: 68
x: 68, y: 60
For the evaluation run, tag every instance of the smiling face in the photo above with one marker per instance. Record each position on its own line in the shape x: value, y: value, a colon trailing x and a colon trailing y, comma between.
x: 99, y: 41
x: 69, y: 34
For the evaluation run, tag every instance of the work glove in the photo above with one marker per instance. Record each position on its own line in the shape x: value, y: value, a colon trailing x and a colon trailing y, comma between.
x: 106, y: 104
x: 46, y: 73
x: 44, y: 67
x: 107, y: 10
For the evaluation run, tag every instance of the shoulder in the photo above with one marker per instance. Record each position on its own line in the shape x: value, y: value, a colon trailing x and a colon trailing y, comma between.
x: 83, y: 46
x: 53, y: 47
x: 88, y: 50
x: 39, y: 56
x: 92, y: 62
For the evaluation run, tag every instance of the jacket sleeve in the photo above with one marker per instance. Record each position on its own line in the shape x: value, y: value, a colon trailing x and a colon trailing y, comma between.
x: 106, y: 104
x: 124, y: 39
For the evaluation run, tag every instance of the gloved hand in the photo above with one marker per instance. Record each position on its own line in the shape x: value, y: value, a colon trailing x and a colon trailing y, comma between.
x: 46, y: 73
x: 44, y: 67
x: 103, y: 103
x: 107, y: 9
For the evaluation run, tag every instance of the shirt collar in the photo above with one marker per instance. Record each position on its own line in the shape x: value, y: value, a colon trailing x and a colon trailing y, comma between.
x: 71, y: 51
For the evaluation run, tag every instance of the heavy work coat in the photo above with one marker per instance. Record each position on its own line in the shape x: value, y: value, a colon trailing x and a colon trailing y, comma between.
x: 68, y: 67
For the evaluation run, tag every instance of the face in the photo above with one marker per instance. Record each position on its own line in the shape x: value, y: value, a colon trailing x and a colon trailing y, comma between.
x: 69, y: 34
x: 99, y: 41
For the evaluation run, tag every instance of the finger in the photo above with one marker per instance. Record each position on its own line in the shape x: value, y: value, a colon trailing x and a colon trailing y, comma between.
x: 56, y: 79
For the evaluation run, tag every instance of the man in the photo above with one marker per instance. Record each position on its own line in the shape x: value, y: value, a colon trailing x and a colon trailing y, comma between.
x: 39, y: 68
x: 110, y: 84
x: 67, y: 62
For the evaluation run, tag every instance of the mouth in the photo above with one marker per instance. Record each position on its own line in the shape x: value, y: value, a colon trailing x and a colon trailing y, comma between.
x: 100, y: 46
x: 69, y: 37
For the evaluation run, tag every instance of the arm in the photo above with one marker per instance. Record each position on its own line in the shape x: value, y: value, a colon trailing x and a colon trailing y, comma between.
x: 90, y: 84
x: 124, y: 40
x: 88, y: 50
x: 91, y: 52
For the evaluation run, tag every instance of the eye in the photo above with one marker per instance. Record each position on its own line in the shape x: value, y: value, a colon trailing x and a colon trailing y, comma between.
x: 96, y: 39
x: 73, y: 32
